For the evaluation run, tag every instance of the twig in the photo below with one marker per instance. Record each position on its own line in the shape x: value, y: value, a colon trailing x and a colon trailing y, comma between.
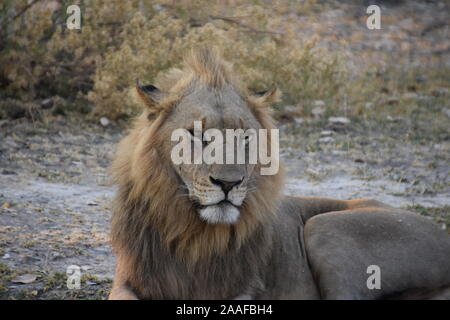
x: 28, y: 6
x: 22, y: 11
x: 244, y: 25
x: 433, y: 26
x: 435, y: 52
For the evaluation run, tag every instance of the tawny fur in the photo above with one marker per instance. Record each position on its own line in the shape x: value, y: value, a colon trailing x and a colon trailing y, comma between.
x: 150, y: 197
x: 164, y: 250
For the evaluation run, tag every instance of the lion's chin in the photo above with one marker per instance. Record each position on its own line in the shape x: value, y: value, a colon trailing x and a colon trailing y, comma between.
x: 220, y: 213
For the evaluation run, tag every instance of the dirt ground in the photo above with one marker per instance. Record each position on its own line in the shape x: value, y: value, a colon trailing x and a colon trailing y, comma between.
x: 55, y: 194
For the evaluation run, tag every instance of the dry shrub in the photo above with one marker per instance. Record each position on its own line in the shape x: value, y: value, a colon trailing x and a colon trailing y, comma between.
x: 123, y: 40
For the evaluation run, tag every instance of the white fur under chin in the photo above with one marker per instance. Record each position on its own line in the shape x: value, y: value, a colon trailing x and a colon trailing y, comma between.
x: 220, y: 213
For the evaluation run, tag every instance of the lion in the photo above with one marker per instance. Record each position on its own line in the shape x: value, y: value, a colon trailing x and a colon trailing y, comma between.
x: 224, y: 231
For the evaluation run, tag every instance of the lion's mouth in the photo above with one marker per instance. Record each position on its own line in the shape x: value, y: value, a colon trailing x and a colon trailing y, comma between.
x: 221, y: 212
x: 221, y: 203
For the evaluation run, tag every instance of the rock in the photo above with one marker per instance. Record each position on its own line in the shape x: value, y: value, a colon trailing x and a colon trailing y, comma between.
x: 410, y: 95
x: 317, y: 112
x: 446, y: 111
x: 56, y: 255
x: 6, y: 256
x: 319, y: 103
x: 47, y: 103
x: 104, y: 121
x: 420, y: 78
x: 338, y: 120
x: 368, y: 105
x: 290, y: 109
x: 326, y: 139
x: 394, y: 119
x: 299, y: 120
x: 326, y: 133
x: 25, y: 278
x: 158, y: 7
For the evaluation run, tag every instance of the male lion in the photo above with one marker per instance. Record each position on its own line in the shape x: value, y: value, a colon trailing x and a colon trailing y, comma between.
x: 198, y: 231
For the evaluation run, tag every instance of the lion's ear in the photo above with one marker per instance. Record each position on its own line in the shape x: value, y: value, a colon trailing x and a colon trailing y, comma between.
x: 269, y: 96
x: 149, y: 94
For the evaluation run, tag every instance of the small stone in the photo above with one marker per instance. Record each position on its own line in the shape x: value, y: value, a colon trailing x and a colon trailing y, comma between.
x: 420, y: 78
x: 326, y: 139
x: 338, y: 120
x: 25, y: 278
x: 104, y: 121
x: 319, y: 103
x: 56, y: 255
x: 6, y: 256
x: 290, y: 109
x: 446, y: 111
x: 394, y: 119
x: 326, y: 133
x: 299, y: 120
x: 317, y: 112
x: 410, y: 95
x: 47, y: 103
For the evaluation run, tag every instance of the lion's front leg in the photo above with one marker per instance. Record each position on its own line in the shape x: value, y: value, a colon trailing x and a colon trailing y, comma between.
x: 122, y: 292
x: 120, y: 289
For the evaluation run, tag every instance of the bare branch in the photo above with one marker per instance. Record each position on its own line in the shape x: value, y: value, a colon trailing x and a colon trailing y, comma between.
x: 241, y: 24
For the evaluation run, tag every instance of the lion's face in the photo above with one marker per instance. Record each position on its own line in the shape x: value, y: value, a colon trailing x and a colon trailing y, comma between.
x: 217, y: 190
x: 197, y: 209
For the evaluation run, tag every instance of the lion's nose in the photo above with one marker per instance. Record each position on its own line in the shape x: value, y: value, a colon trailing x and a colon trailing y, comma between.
x: 225, y: 185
